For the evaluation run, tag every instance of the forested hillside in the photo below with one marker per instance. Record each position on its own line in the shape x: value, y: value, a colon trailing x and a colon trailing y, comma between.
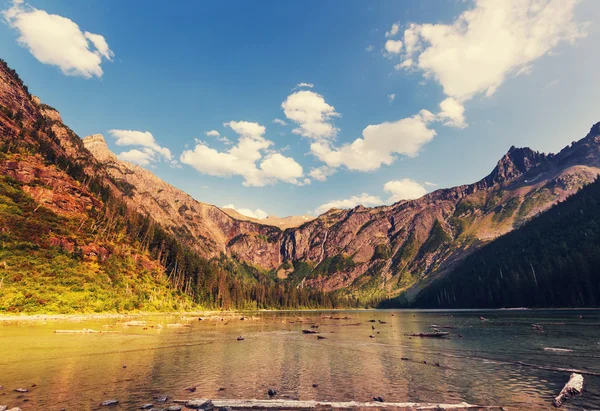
x: 552, y: 261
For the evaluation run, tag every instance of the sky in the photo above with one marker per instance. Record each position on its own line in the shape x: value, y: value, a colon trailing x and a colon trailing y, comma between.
x: 288, y: 108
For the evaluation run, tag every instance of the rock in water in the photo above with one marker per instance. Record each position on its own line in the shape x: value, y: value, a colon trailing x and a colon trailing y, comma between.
x: 175, y: 408
x: 21, y: 390
x: 200, y: 405
x: 109, y: 403
x: 146, y: 406
x: 271, y: 392
x: 240, y: 338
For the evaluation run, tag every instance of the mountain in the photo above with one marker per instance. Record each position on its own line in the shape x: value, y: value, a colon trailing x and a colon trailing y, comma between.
x: 369, y: 252
x: 551, y: 261
x: 219, y: 259
x: 76, y: 237
x: 387, y: 250
x: 280, y: 222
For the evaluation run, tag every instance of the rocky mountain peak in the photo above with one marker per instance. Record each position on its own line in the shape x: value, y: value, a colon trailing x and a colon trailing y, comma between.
x: 96, y: 144
x: 516, y: 162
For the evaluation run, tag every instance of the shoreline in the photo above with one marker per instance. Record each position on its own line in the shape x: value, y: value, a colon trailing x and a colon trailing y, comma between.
x: 217, y: 313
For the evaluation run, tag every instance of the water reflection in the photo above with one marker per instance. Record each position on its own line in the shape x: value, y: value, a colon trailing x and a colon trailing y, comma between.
x: 77, y: 372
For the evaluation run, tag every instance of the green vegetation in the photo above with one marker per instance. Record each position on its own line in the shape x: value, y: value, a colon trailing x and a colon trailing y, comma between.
x: 506, y: 210
x: 437, y: 237
x: 36, y: 275
x: 551, y: 261
x: 336, y: 264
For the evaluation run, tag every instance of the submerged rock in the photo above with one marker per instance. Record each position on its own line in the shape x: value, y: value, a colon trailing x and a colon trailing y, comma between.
x: 271, y: 392
x: 109, y: 403
x: 146, y: 406
x: 21, y: 390
x: 175, y: 408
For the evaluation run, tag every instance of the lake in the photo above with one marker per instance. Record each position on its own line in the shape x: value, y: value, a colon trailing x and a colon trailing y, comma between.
x: 169, y: 353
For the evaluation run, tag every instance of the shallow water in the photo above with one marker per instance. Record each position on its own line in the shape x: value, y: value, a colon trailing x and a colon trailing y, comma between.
x: 78, y: 371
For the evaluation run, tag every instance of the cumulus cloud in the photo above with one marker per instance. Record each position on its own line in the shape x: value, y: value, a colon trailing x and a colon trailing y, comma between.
x: 258, y: 213
x: 488, y: 42
x: 212, y: 133
x: 279, y: 121
x: 405, y: 189
x: 379, y: 144
x: 364, y: 199
x: 452, y: 113
x: 311, y: 113
x: 249, y: 158
x: 393, y: 31
x: 58, y: 41
x: 391, y: 97
x: 306, y: 85
x: 149, y: 150
x: 321, y: 173
x: 393, y: 46
x: 139, y: 157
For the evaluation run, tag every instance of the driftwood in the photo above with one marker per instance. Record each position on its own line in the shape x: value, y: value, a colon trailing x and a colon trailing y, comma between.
x: 572, y: 388
x: 429, y: 335
x: 84, y: 331
x: 240, y: 404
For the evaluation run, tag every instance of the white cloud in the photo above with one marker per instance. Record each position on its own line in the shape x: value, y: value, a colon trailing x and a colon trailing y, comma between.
x: 247, y: 129
x: 393, y: 46
x: 58, y: 41
x: 151, y: 151
x: 321, y: 173
x: 242, y: 158
x: 212, y: 133
x: 312, y: 114
x: 135, y: 156
x: 430, y: 184
x: 279, y: 121
x: 393, y: 31
x: 405, y: 189
x: 487, y: 43
x: 369, y: 48
x: 452, y: 113
x: 258, y: 213
x: 391, y: 97
x: 364, y: 199
x: 379, y: 144
x: 307, y: 85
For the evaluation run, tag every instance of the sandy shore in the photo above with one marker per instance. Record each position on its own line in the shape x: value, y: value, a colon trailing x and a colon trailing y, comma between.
x: 100, y: 316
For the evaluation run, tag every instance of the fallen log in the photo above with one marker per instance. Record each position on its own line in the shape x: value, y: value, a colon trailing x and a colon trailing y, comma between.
x: 572, y: 388
x: 242, y: 404
x: 85, y: 331
x: 440, y: 334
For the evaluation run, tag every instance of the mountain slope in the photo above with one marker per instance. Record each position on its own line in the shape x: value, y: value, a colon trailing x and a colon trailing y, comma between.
x: 373, y: 251
x: 552, y: 261
x: 72, y: 237
x: 389, y: 249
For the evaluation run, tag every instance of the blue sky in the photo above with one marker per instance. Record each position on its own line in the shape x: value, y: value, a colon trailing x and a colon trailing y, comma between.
x: 469, y: 80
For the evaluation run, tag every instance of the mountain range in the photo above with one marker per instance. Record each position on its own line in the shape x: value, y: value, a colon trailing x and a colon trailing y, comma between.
x: 365, y: 254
